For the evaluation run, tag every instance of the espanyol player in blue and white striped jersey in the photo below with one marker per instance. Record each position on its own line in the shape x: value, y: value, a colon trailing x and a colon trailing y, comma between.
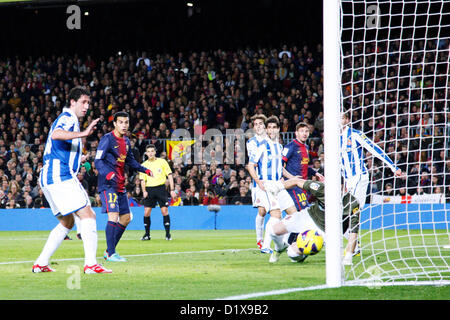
x: 258, y: 122
x: 62, y: 189
x: 265, y: 165
x: 354, y: 170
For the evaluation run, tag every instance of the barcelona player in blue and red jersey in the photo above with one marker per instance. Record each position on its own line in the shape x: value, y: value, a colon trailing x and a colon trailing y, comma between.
x: 113, y: 153
x: 296, y: 163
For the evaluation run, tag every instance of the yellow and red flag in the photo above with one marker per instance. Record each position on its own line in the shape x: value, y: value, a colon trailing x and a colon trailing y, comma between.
x: 177, y: 149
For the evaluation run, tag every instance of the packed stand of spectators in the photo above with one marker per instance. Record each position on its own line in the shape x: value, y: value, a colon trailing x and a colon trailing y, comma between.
x: 195, y: 91
x: 162, y: 92
x: 404, y: 109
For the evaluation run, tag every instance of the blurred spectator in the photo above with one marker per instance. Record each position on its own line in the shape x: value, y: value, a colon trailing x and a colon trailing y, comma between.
x: 220, y: 90
x: 242, y: 198
x: 210, y: 198
x: 190, y: 200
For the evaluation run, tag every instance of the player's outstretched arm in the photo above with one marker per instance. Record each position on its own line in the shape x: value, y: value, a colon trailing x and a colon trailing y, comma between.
x: 295, y: 181
x: 60, y: 134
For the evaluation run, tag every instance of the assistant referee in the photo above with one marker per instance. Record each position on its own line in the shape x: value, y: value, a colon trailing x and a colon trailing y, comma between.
x: 155, y: 189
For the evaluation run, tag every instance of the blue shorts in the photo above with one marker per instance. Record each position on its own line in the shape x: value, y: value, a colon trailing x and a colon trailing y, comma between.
x: 300, y: 197
x: 113, y: 201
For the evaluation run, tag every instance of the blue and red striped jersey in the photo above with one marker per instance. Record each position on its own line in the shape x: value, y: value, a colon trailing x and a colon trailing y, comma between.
x: 112, y: 155
x: 296, y: 159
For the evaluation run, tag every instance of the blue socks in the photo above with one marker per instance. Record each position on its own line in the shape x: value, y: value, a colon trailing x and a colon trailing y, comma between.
x: 114, y: 232
x: 110, y: 240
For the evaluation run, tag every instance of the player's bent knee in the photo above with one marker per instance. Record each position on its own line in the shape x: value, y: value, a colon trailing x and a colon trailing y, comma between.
x: 125, y: 219
x: 113, y: 216
x: 279, y: 229
x: 67, y: 221
x: 86, y: 213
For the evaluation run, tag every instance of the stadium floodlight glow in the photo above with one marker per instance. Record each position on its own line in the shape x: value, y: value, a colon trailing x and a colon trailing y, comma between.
x: 190, y: 4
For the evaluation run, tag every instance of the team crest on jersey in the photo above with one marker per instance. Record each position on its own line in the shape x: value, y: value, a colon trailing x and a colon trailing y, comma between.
x: 314, y: 186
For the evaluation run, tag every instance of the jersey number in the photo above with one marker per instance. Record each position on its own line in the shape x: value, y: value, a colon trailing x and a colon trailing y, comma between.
x: 301, y: 196
x: 112, y: 197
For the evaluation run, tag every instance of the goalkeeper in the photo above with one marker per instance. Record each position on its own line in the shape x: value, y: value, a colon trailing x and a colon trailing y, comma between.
x: 311, y: 218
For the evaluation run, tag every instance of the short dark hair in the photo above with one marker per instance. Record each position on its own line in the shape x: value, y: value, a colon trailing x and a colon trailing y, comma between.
x: 121, y: 114
x: 151, y: 145
x: 76, y: 92
x: 273, y: 119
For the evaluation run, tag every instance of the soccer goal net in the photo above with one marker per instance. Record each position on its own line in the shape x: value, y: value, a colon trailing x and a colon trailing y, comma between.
x: 394, y: 92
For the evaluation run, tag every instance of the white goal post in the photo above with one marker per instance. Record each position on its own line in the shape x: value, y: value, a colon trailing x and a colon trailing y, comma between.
x: 386, y: 65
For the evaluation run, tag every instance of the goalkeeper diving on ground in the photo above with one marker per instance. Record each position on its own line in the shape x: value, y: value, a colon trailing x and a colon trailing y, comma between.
x: 284, y: 232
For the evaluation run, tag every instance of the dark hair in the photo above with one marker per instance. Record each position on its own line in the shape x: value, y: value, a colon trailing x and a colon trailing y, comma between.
x: 121, y: 114
x: 76, y: 92
x: 273, y: 119
x: 150, y: 146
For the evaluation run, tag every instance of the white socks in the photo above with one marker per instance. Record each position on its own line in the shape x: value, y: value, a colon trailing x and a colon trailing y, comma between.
x: 88, y: 230
x: 77, y: 222
x: 259, y: 227
x: 54, y: 240
x: 269, y: 232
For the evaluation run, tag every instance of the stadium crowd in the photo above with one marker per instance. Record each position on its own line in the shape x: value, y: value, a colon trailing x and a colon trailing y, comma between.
x: 195, y: 91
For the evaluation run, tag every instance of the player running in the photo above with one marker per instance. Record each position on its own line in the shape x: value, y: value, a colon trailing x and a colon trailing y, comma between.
x: 61, y: 187
x: 113, y: 153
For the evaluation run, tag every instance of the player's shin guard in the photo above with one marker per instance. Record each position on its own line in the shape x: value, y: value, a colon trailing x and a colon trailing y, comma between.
x: 54, y: 240
x: 110, y: 237
x: 166, y: 221
x: 147, y: 223
x: 89, y: 237
x: 259, y: 227
x: 278, y: 241
x: 269, y: 231
x: 118, y: 232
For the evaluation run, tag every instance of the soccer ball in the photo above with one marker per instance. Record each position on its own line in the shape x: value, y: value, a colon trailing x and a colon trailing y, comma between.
x: 309, y: 242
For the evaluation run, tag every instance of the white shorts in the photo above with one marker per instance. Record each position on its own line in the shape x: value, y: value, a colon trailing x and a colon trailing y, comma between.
x: 299, y: 222
x: 285, y: 200
x: 66, y: 197
x: 264, y: 199
x: 357, y: 186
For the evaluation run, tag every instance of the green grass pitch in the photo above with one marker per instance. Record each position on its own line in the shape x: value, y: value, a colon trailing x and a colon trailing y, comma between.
x: 195, y: 265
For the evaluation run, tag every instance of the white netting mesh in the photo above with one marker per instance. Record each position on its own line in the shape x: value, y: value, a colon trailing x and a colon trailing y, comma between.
x: 395, y: 85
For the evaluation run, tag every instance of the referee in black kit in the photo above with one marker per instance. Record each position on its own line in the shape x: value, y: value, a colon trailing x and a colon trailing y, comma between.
x: 154, y: 190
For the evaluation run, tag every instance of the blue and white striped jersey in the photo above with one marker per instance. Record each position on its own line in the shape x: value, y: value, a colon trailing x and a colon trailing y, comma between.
x: 266, y: 154
x: 62, y: 158
x: 352, y: 144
